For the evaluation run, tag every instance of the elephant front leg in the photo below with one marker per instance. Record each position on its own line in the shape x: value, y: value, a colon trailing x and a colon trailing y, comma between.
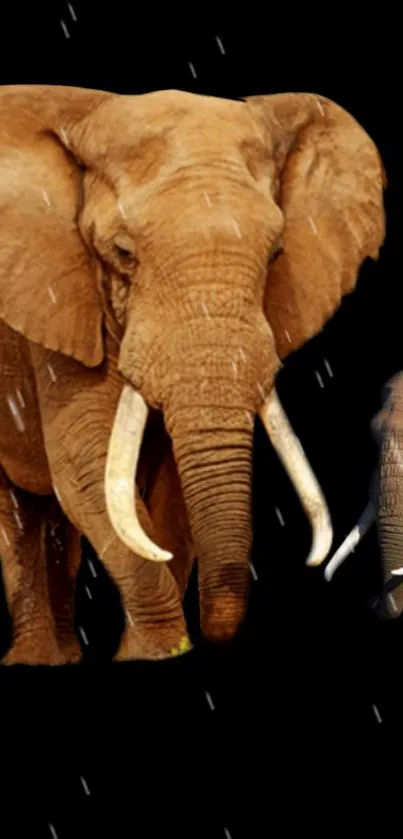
x: 154, y: 622
x: 155, y: 627
x: 23, y: 522
x: 78, y: 408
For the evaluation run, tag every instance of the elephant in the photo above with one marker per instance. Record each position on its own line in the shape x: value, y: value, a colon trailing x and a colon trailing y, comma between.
x: 385, y: 505
x: 160, y: 256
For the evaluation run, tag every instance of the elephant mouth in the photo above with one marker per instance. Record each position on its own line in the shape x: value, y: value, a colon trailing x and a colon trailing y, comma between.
x: 121, y: 470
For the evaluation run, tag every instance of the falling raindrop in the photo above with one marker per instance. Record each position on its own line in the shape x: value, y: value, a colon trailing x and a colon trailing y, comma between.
x: 236, y: 228
x: 328, y: 368
x: 319, y: 378
x: 313, y: 225
x: 13, y: 498
x: 121, y: 210
x: 205, y: 310
x: 393, y: 603
x: 320, y: 107
x: 209, y: 700
x: 52, y: 830
x: 89, y: 595
x: 83, y: 635
x: 51, y: 294
x: 279, y: 516
x: 52, y: 373
x: 377, y: 714
x: 5, y: 537
x: 287, y: 335
x: 19, y: 422
x: 46, y: 197
x: 208, y: 202
x: 192, y: 70
x: 129, y: 618
x: 85, y: 785
x: 92, y: 569
x: 253, y: 571
x: 65, y: 30
x: 20, y: 398
x: 18, y: 519
x: 72, y: 12
x: 220, y: 46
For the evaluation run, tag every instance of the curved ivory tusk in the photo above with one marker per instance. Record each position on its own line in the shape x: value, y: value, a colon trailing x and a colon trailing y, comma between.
x: 120, y: 475
x: 351, y: 541
x: 294, y: 460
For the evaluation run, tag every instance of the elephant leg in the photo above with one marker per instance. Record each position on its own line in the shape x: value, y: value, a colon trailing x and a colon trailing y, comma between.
x: 63, y: 556
x: 154, y: 622
x: 78, y: 410
x: 166, y: 505
x: 155, y: 626
x: 23, y: 523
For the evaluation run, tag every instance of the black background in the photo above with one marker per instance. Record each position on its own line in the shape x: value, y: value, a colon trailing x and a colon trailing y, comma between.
x: 297, y: 724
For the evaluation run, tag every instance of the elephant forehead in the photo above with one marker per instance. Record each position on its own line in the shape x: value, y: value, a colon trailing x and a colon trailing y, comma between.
x: 170, y: 107
x: 125, y: 125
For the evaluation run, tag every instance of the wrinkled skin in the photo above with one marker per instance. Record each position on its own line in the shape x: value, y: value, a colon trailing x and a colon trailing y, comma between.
x: 184, y: 245
x: 387, y: 492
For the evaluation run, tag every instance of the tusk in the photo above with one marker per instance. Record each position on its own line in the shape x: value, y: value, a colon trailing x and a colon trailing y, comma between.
x: 351, y: 541
x: 120, y: 475
x: 294, y: 460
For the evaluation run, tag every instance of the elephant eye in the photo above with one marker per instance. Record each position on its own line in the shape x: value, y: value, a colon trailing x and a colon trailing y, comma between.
x: 123, y: 249
x: 123, y: 253
x: 276, y: 252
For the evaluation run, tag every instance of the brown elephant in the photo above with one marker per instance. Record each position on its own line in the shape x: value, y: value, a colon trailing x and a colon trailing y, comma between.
x: 385, y: 506
x: 159, y: 256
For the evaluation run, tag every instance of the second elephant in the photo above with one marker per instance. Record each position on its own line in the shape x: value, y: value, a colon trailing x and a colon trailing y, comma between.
x: 385, y: 506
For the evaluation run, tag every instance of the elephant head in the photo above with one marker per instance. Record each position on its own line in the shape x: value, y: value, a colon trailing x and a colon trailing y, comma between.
x: 386, y: 500
x: 212, y: 237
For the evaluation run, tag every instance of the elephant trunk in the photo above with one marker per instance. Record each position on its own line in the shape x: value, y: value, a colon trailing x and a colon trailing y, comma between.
x: 215, y: 467
x: 390, y: 520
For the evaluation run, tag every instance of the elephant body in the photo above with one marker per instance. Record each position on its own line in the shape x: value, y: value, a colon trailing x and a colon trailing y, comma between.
x: 385, y: 506
x: 160, y: 255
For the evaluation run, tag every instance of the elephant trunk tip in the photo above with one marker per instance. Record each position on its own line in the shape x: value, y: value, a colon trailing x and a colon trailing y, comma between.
x: 222, y: 617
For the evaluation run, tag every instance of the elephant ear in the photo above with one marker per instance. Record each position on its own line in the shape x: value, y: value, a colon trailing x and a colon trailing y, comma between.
x: 48, y: 291
x: 330, y: 190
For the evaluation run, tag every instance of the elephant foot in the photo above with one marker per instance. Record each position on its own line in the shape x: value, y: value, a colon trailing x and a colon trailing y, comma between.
x: 135, y: 645
x: 70, y: 648
x: 38, y: 650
